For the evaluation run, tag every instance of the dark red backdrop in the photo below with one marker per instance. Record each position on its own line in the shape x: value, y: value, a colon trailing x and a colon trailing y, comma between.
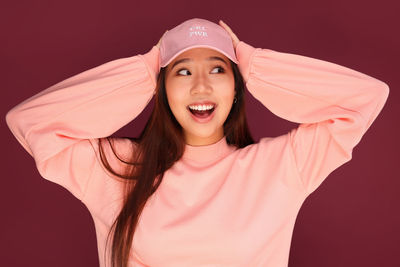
x: 352, y: 219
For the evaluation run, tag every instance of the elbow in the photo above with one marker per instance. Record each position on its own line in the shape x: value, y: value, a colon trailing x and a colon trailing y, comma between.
x: 14, y: 121
x: 14, y: 115
x: 11, y: 118
x: 382, y: 94
x: 382, y: 89
x: 385, y: 90
x: 376, y: 103
x: 374, y: 87
x: 376, y: 94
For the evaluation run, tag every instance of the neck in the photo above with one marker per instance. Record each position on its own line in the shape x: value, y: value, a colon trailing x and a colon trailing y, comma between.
x: 193, y: 140
x: 208, y: 153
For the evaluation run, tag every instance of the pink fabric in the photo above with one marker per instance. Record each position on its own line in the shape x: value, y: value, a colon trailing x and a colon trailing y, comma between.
x: 193, y: 33
x: 217, y: 206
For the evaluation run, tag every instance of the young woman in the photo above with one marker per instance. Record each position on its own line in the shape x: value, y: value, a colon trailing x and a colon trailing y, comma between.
x: 194, y: 189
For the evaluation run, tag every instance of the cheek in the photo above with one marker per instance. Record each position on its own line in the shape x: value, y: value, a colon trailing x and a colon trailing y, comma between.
x: 228, y: 94
x: 175, y: 100
x: 227, y: 88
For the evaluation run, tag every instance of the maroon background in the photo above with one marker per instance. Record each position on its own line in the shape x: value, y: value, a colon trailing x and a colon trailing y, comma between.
x: 352, y: 219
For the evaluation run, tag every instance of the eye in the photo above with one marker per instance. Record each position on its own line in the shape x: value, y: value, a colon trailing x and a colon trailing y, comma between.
x: 222, y: 70
x: 180, y: 71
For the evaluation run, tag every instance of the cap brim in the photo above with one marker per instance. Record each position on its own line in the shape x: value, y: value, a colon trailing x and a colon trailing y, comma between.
x: 198, y: 46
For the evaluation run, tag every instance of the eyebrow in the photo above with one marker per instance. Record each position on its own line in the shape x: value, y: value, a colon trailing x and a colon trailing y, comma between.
x: 188, y: 59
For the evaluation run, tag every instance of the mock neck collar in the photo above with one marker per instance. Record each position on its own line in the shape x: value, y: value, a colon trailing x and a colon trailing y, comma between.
x: 208, y: 153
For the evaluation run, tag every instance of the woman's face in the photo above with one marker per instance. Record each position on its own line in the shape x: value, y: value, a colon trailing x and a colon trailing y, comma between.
x: 200, y: 78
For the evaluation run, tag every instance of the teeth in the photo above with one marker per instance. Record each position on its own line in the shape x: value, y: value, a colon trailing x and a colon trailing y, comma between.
x: 201, y: 107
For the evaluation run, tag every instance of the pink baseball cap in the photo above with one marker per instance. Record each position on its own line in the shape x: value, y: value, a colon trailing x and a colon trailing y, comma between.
x: 193, y: 33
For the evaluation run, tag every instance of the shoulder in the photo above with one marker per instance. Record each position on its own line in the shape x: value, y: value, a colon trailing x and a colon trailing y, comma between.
x: 267, y: 143
x: 267, y: 149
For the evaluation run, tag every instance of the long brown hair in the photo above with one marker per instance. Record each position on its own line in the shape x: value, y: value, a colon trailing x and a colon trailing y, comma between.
x: 161, y: 144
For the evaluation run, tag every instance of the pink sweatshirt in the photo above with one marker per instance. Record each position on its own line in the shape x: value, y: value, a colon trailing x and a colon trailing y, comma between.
x: 218, y: 205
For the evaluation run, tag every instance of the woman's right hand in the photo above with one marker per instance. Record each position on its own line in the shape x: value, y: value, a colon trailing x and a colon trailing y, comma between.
x: 158, y: 44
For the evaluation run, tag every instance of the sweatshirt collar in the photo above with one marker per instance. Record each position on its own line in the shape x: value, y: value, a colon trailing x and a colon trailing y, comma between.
x: 208, y: 153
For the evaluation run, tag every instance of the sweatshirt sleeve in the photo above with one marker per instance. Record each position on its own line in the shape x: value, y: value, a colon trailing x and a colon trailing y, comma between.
x: 59, y: 125
x: 334, y: 105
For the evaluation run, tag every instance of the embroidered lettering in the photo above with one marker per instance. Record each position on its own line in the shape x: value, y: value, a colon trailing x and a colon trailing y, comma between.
x: 198, y: 31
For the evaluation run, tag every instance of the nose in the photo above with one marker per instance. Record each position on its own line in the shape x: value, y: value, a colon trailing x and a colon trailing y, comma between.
x: 201, y: 85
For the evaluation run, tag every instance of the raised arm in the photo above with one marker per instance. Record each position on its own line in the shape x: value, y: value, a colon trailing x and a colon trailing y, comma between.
x: 59, y: 125
x: 334, y: 105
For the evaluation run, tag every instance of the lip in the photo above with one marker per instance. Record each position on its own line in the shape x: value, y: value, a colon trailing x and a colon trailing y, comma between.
x: 203, y: 103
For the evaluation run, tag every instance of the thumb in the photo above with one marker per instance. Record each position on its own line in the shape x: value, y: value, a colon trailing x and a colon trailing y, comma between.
x: 159, y: 42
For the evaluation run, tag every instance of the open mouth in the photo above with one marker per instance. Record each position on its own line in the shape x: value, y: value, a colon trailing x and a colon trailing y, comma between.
x: 201, y: 111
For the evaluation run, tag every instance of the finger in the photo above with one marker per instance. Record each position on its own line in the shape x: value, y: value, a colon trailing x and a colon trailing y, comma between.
x: 229, y: 30
x: 159, y: 42
x: 226, y: 27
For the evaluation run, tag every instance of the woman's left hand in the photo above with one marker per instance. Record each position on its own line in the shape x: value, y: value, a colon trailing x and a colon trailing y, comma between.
x: 235, y: 39
x: 159, y: 42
